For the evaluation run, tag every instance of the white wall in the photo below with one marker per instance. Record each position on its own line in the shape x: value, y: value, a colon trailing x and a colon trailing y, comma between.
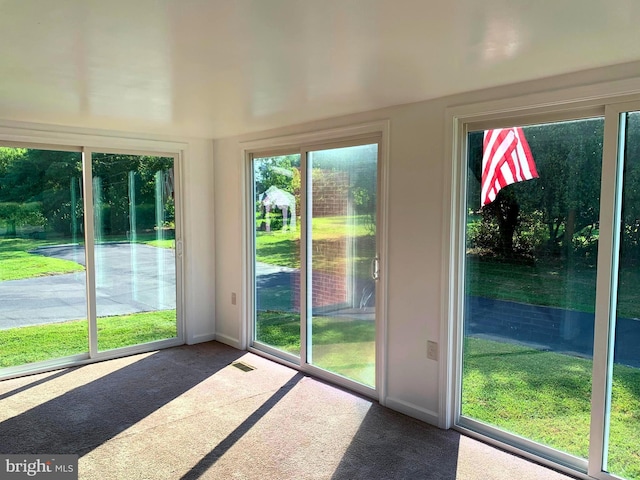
x: 416, y: 204
x: 199, y: 242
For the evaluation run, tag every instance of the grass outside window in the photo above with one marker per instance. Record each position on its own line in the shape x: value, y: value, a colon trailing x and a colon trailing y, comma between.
x: 343, y: 347
x: 36, y: 343
x: 16, y: 261
x: 546, y: 397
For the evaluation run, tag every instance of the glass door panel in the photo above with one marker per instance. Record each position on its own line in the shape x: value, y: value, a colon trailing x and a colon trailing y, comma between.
x: 134, y: 235
x: 530, y: 280
x: 42, y: 274
x: 276, y: 195
x: 622, y: 452
x: 341, y: 327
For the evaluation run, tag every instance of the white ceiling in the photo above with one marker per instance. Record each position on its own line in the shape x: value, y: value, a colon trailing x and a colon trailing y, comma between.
x: 213, y: 68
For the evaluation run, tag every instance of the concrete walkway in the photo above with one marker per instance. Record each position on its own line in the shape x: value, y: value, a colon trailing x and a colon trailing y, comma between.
x: 130, y: 278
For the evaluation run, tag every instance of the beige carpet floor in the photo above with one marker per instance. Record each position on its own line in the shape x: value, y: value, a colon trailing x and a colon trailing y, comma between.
x: 188, y: 413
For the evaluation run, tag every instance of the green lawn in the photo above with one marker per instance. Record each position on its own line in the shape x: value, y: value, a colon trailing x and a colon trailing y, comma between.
x: 146, y: 238
x: 278, y: 248
x: 283, y: 247
x: 280, y: 330
x: 17, y: 263
x: 345, y: 347
x: 171, y: 243
x: 549, y: 282
x: 543, y: 283
x: 546, y: 397
x: 24, y: 345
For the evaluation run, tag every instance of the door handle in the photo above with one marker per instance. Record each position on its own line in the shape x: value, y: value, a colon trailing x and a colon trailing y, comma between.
x: 375, y: 268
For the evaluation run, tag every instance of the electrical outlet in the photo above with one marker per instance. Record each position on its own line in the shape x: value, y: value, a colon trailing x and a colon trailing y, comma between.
x: 432, y: 350
x: 233, y: 298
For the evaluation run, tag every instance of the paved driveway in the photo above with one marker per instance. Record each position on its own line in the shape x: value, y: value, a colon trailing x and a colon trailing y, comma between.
x: 548, y: 328
x: 130, y: 279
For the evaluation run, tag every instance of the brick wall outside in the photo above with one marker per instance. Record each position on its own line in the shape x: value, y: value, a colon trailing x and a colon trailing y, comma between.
x: 329, y: 276
x: 330, y: 193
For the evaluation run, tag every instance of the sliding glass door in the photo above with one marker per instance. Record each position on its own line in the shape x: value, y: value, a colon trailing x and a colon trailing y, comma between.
x: 43, y: 305
x: 74, y: 285
x: 276, y: 234
x: 342, y: 214
x: 549, y: 339
x: 315, y: 258
x: 530, y: 276
x: 134, y: 249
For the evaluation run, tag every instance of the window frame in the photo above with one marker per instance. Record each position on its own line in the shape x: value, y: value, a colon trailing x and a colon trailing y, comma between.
x: 34, y: 136
x: 179, y: 339
x: 604, y: 100
x: 375, y: 132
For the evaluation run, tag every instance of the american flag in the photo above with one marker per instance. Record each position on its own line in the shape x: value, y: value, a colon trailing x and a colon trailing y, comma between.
x: 506, y: 159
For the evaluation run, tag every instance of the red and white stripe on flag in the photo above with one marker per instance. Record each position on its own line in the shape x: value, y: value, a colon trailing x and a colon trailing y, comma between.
x: 506, y: 159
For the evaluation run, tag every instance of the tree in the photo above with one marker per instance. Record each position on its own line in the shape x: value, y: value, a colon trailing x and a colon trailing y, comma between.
x: 18, y: 214
x: 35, y: 187
x: 44, y: 188
x: 115, y: 172
x: 31, y: 187
x: 277, y: 171
x: 568, y: 158
x: 630, y: 228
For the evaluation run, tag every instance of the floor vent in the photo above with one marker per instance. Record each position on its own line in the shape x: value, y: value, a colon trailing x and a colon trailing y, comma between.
x: 245, y: 367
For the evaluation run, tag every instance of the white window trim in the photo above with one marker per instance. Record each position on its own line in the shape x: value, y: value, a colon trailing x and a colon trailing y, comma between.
x: 53, y: 135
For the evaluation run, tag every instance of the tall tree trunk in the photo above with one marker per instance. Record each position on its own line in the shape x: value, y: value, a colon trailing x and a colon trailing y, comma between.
x: 507, y: 222
x: 507, y: 211
x: 569, y: 230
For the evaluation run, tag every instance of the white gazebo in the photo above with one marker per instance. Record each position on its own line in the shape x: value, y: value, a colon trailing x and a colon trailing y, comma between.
x: 285, y: 201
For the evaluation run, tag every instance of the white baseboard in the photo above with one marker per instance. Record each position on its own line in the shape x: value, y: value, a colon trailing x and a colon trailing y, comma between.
x: 226, y: 339
x: 206, y: 337
x: 428, y: 416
